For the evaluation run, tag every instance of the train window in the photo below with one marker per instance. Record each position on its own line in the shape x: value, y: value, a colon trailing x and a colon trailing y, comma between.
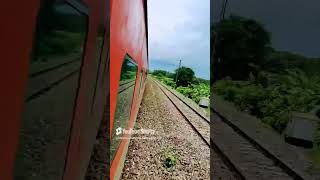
x: 53, y: 82
x: 124, y: 101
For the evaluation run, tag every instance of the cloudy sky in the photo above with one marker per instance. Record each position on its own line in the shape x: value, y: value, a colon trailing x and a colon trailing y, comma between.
x: 179, y: 29
x: 294, y: 24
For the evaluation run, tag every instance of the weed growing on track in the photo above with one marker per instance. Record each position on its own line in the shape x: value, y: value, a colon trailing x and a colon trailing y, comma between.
x: 170, y: 158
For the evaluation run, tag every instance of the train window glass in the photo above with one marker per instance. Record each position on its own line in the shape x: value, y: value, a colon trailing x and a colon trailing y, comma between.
x: 59, y: 34
x: 124, y: 101
x: 54, y: 73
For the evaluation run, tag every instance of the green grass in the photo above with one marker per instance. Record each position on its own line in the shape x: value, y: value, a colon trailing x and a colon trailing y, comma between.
x: 170, y: 158
x: 194, y: 91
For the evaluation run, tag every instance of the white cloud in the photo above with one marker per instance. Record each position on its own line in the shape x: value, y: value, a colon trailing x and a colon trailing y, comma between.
x: 179, y: 29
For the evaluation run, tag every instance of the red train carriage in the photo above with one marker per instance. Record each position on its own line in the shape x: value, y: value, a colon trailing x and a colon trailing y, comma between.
x: 55, y: 65
x: 129, y: 65
x: 54, y: 86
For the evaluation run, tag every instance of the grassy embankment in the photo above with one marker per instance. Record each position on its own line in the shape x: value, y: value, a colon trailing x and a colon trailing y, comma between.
x: 196, y: 89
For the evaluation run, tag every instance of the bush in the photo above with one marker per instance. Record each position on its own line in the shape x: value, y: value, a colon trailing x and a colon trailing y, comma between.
x: 162, y: 73
x: 195, y: 92
x: 186, y: 91
x: 169, y: 82
x: 201, y: 90
x: 279, y: 121
x: 221, y: 86
x: 166, y: 80
x: 192, y: 91
x: 272, y: 101
x: 251, y: 96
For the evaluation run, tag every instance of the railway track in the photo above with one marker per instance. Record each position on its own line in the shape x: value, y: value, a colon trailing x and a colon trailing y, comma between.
x: 221, y: 158
x: 205, y: 136
x: 266, y: 162
x: 241, y: 154
x: 191, y: 108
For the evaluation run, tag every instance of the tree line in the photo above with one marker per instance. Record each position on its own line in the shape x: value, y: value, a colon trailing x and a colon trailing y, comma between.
x: 266, y: 82
x: 183, y: 79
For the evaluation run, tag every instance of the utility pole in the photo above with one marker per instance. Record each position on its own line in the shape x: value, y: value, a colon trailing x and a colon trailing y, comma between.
x: 178, y: 71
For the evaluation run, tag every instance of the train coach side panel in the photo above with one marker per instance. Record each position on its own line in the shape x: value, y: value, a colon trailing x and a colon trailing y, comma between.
x: 127, y: 37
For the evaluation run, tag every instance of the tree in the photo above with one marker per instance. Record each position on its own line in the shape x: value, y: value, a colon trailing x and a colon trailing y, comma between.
x: 162, y: 73
x: 197, y: 81
x: 185, y: 76
x: 241, y: 44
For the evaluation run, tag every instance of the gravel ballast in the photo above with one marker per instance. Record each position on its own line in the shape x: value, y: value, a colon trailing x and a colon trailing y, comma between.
x: 147, y: 154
